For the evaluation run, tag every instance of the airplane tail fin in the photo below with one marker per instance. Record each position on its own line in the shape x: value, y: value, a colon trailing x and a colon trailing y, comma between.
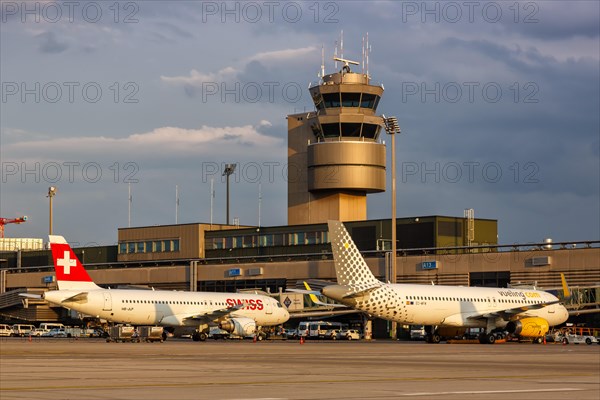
x: 350, y: 267
x: 566, y: 291
x: 70, y: 274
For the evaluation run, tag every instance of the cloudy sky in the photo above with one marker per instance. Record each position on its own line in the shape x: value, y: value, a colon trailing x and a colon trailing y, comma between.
x: 498, y: 103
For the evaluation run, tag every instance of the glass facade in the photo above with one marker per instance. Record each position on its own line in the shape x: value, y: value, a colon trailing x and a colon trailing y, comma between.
x: 155, y: 246
x: 268, y: 240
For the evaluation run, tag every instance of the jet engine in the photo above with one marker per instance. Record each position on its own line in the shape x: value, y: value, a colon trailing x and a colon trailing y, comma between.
x: 239, y: 326
x: 528, y: 327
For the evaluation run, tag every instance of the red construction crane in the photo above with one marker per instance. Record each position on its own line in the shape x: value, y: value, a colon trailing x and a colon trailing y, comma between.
x: 4, y: 221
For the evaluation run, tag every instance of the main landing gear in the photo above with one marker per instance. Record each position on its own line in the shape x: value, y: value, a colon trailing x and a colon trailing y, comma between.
x: 199, y: 336
x: 487, y: 338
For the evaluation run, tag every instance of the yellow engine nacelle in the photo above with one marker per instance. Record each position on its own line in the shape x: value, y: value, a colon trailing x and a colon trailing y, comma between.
x: 528, y: 327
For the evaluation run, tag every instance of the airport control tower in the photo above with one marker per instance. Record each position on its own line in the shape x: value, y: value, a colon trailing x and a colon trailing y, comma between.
x: 334, y: 154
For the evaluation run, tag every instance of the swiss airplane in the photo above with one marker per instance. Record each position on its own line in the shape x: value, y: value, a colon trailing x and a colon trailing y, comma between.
x: 442, y: 309
x: 237, y: 313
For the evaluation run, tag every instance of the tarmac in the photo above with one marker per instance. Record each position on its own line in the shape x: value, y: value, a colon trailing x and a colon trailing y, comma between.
x: 226, y: 370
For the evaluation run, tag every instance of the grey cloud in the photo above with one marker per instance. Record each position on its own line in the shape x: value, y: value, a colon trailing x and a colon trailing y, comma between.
x: 50, y: 44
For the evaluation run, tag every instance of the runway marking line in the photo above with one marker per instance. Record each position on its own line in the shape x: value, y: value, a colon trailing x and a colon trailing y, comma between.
x: 253, y: 383
x: 491, y: 391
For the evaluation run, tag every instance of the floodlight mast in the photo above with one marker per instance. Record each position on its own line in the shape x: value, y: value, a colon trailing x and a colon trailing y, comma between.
x: 51, y: 193
x: 229, y: 169
x: 392, y: 128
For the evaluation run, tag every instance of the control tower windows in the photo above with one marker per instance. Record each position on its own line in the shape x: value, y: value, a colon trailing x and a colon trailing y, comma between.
x: 355, y: 100
x: 331, y: 100
x: 350, y: 130
x: 350, y: 99
x: 370, y: 131
x: 368, y: 100
x: 331, y: 130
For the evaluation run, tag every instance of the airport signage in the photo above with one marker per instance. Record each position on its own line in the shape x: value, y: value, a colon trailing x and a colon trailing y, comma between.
x: 429, y: 265
x: 48, y: 279
x: 234, y: 272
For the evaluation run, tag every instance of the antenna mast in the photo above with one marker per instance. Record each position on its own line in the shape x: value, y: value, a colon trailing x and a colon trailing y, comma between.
x: 176, y: 204
x: 335, y: 53
x: 367, y: 51
x: 342, y: 44
x: 259, y: 201
x: 322, y: 61
x: 212, y: 199
x: 129, y: 206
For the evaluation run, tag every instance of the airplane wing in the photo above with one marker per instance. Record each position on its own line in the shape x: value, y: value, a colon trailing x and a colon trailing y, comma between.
x: 509, y: 312
x: 214, y: 315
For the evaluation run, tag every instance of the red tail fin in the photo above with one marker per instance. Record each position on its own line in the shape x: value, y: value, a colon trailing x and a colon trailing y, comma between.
x: 67, y: 266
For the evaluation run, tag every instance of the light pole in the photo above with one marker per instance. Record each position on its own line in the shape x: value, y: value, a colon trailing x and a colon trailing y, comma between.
x: 51, y: 194
x: 229, y: 169
x: 392, y: 128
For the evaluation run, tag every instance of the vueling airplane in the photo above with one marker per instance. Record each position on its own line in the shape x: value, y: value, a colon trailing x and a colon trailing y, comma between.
x: 442, y: 309
x: 237, y: 313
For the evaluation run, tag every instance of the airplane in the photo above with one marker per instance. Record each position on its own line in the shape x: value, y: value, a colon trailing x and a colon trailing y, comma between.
x: 236, y: 313
x: 444, y: 310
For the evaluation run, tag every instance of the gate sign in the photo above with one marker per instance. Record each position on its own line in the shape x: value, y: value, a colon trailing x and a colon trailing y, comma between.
x: 49, y: 279
x: 429, y: 265
x: 234, y: 272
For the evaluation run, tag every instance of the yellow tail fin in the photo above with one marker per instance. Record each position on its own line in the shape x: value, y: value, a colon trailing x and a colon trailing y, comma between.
x: 566, y: 291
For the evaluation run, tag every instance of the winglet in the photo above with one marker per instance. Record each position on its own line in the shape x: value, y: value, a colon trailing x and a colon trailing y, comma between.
x: 311, y: 295
x: 566, y: 291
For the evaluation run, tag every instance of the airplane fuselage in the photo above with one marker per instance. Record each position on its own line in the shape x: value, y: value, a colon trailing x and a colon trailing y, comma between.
x: 168, y: 308
x: 451, y: 305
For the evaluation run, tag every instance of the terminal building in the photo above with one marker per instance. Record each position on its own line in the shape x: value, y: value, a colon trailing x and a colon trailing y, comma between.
x: 340, y: 158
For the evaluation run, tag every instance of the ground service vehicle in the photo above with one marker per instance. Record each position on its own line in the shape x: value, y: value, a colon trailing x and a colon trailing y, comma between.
x: 5, y: 330
x: 568, y: 338
x: 56, y: 332
x: 22, y: 330
x: 303, y: 329
x: 318, y: 329
x: 349, y: 334
x: 417, y: 332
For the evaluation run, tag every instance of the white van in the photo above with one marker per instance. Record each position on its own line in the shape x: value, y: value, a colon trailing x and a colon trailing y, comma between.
x: 303, y: 329
x: 47, y: 327
x: 22, y: 330
x: 5, y: 330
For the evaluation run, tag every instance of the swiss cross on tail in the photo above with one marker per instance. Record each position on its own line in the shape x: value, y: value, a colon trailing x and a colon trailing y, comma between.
x: 66, y: 264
